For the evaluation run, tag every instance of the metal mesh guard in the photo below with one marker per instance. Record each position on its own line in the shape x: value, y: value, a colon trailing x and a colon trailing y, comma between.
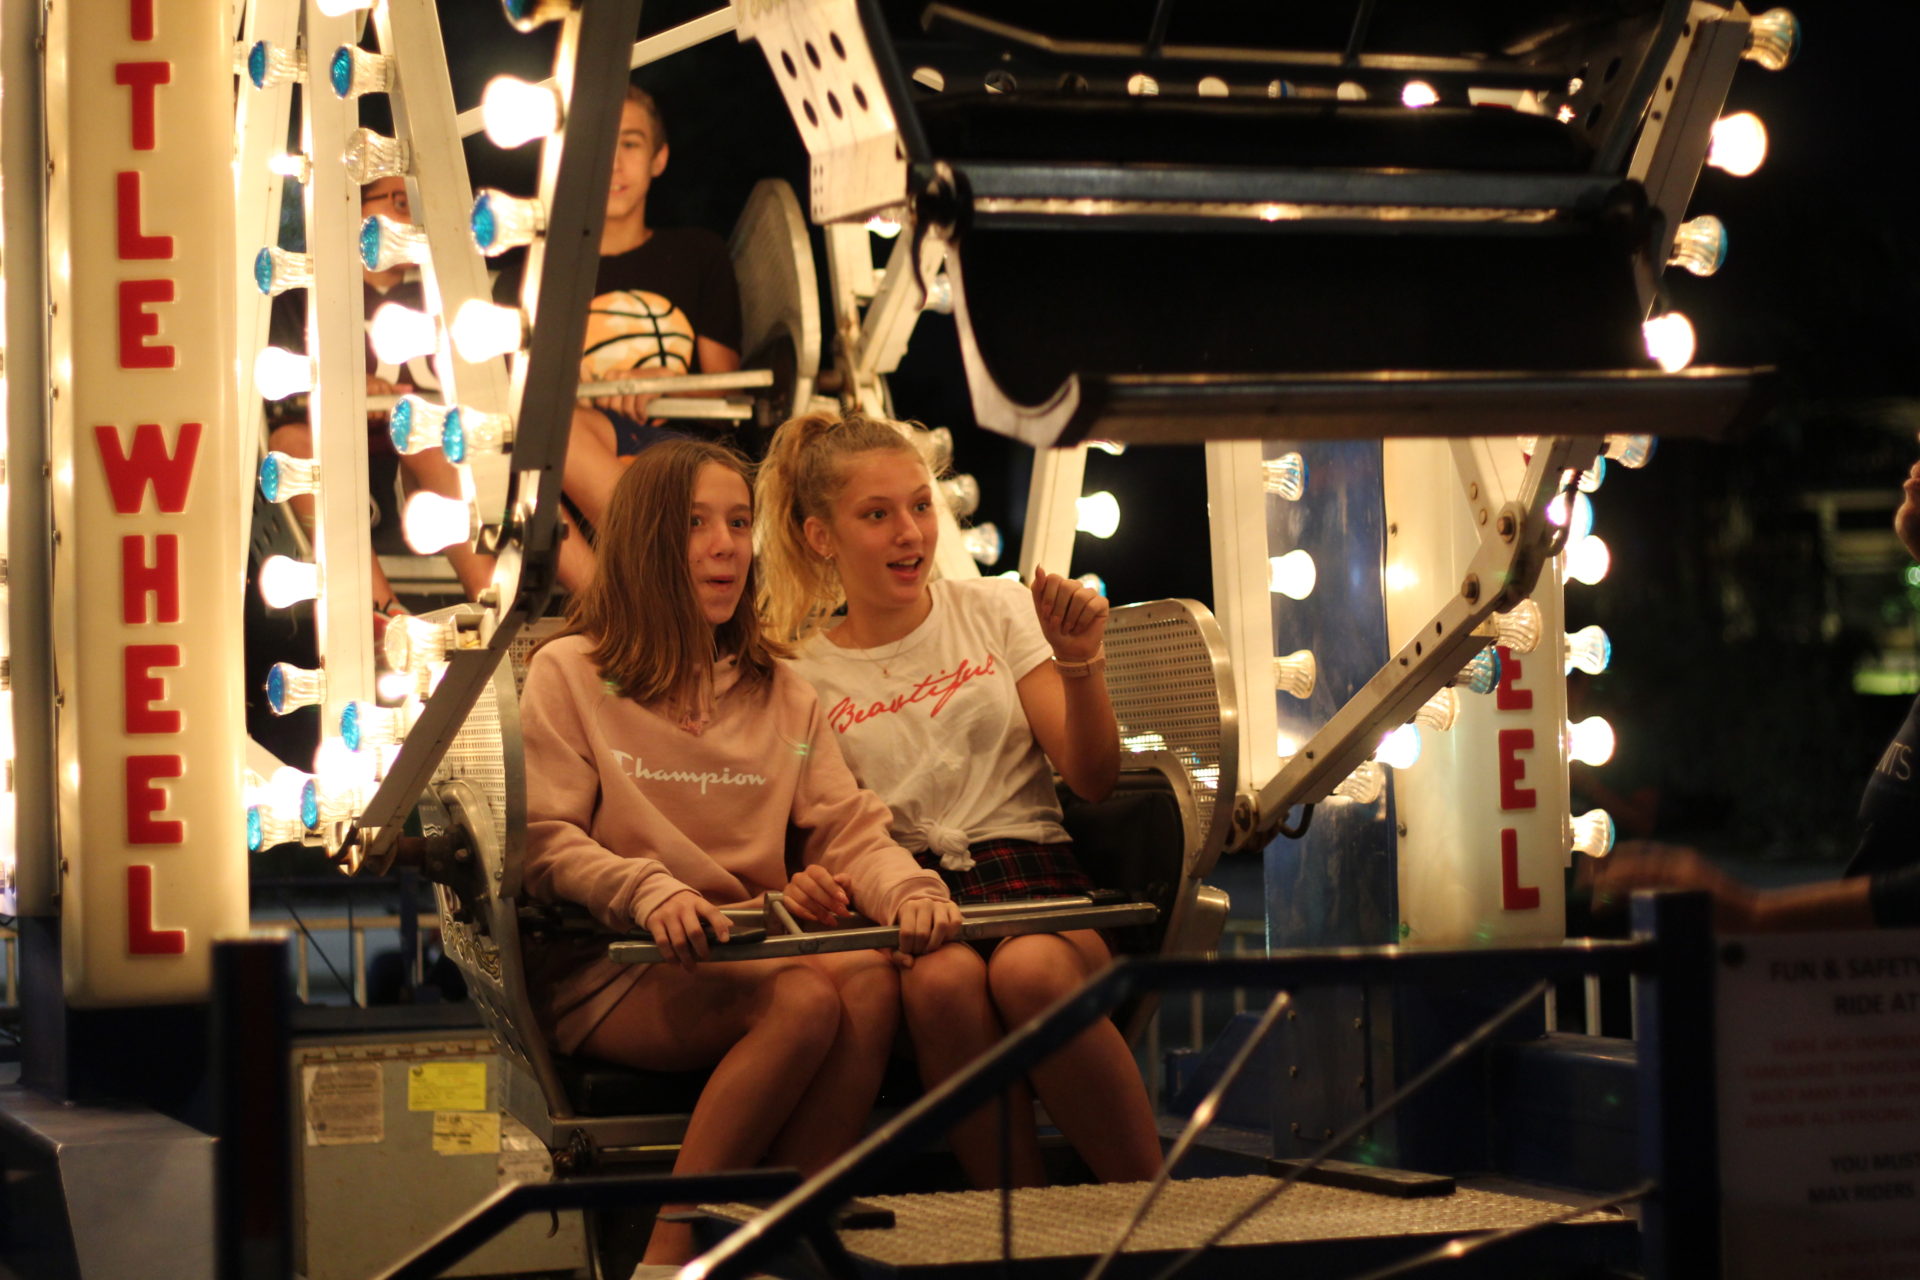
x: 1081, y: 1222
x: 1161, y: 673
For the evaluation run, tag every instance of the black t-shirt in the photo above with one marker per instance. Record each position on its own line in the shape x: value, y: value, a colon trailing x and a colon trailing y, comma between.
x: 1889, y: 848
x: 652, y: 302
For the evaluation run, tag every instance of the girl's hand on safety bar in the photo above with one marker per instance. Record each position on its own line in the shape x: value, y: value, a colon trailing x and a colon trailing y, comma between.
x: 926, y: 924
x: 679, y: 927
x: 819, y: 897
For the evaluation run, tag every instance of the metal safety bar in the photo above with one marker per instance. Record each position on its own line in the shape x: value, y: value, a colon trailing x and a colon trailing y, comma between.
x: 998, y: 920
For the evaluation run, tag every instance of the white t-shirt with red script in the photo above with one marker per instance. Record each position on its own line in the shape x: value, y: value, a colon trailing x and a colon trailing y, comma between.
x: 933, y: 723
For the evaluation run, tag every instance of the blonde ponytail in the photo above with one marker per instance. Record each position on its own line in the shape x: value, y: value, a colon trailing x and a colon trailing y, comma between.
x: 801, y: 476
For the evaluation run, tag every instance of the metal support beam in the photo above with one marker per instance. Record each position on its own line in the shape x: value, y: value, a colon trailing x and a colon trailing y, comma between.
x: 1237, y: 530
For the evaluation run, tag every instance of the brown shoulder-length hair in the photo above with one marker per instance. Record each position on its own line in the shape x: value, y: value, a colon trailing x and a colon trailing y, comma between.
x: 650, y: 638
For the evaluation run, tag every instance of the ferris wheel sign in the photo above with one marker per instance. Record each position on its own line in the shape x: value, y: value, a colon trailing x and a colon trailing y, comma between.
x: 145, y: 471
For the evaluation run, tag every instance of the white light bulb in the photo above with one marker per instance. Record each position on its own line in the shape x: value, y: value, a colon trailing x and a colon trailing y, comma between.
x: 939, y: 295
x: 482, y: 330
x: 1142, y: 85
x: 515, y: 113
x: 369, y: 155
x: 1588, y: 560
x: 1700, y: 245
x: 1773, y: 41
x: 1590, y: 741
x: 1285, y: 476
x: 1440, y: 711
x: 433, y: 522
x: 1591, y: 479
x: 1589, y: 650
x: 1593, y: 833
x: 285, y: 582
x: 1581, y: 523
x: 395, y: 686
x: 936, y: 448
x: 883, y: 226
x: 1112, y: 448
x: 1296, y: 673
x: 290, y: 164
x: 963, y: 494
x: 284, y: 476
x: 1417, y: 94
x: 500, y: 222
x: 412, y: 643
x: 1363, y: 785
x: 1631, y: 452
x: 1213, y: 87
x: 983, y: 542
x: 1093, y: 582
x: 1400, y: 749
x: 1292, y: 574
x: 1669, y: 340
x: 416, y: 424
x: 279, y: 373
x: 285, y: 793
x: 399, y: 333
x: 340, y: 769
x: 341, y: 8
x: 1097, y: 514
x: 1519, y: 627
x: 1738, y: 144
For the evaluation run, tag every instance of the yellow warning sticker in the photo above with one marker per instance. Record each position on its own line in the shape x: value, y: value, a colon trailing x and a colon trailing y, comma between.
x: 466, y: 1133
x: 447, y: 1086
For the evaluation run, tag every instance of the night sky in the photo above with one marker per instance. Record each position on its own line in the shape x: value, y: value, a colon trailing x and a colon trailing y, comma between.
x: 1737, y: 721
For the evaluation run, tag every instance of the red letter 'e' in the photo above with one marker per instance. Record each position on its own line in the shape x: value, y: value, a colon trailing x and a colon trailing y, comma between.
x: 144, y: 800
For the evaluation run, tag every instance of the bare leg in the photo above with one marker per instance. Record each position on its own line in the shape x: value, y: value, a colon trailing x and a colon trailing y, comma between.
x: 834, y: 1109
x: 1091, y: 1087
x: 951, y: 1021
x: 769, y: 1025
x: 577, y: 564
x: 593, y: 464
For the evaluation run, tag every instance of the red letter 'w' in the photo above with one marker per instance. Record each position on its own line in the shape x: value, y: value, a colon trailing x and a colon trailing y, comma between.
x: 128, y: 476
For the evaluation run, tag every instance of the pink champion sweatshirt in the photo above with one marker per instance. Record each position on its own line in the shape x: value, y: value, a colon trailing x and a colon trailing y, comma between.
x: 625, y: 809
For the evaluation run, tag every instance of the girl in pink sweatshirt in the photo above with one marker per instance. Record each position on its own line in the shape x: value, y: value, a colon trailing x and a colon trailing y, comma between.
x: 674, y: 767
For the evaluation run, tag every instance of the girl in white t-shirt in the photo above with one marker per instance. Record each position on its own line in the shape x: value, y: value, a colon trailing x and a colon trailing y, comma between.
x: 956, y: 701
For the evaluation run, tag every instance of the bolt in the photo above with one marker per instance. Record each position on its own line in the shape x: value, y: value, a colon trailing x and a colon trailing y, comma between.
x: 1482, y: 513
x: 1293, y: 1072
x: 1358, y: 1023
x: 1470, y: 589
x: 1473, y: 489
x: 1401, y: 829
x: 1504, y: 526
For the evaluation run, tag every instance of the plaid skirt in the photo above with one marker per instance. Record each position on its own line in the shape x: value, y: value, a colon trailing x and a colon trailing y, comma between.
x: 1012, y: 870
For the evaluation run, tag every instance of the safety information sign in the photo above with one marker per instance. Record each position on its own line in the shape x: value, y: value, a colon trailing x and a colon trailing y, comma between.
x: 343, y: 1104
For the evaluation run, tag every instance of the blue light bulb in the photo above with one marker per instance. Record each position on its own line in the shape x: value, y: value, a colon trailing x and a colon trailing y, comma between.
x: 400, y: 423
x: 1482, y: 675
x: 485, y: 225
x: 257, y: 64
x: 310, y: 803
x: 276, y: 690
x: 270, y: 478
x: 256, y: 830
x: 370, y: 243
x: 263, y: 271
x: 340, y: 71
x: 350, y: 726
x: 453, y: 437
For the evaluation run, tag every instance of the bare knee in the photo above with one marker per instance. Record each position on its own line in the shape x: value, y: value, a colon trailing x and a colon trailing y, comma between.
x: 869, y: 985
x: 1030, y: 973
x: 943, y: 982
x: 801, y: 1005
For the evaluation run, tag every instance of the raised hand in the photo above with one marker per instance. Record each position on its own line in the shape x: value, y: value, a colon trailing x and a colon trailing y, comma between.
x: 1073, y: 617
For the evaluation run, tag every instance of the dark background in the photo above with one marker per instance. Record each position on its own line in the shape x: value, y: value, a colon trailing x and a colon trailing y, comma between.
x: 1737, y: 640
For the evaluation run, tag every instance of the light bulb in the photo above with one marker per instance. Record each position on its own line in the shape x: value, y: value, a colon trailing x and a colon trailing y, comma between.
x: 284, y: 476
x: 1417, y: 94
x: 1112, y: 448
x: 1593, y: 833
x: 290, y: 688
x: 275, y: 271
x: 393, y: 687
x: 279, y: 373
x: 1296, y: 673
x: 1591, y: 479
x: 1097, y: 514
x: 983, y: 542
x: 1213, y: 87
x: 332, y: 804
x: 1700, y: 245
x: 1292, y: 574
x: 365, y: 724
x: 500, y: 222
x: 1519, y: 627
x: 1773, y: 40
x: 339, y: 768
x: 1588, y: 560
x: 1631, y: 452
x: 369, y: 155
x: 341, y: 8
x: 416, y: 424
x: 1589, y: 650
x: 1738, y: 144
x: 1400, y: 749
x: 432, y: 522
x: 399, y: 333
x: 285, y: 582
x: 284, y: 793
x: 290, y: 164
x: 355, y: 71
x: 962, y: 494
x: 1590, y: 741
x: 1142, y: 85
x: 1581, y: 523
x: 936, y: 449
x: 482, y: 330
x: 515, y: 113
x: 526, y: 15
x: 1669, y: 340
x: 1285, y: 476
x: 386, y: 244
x: 1363, y: 785
x: 269, y: 65
x: 264, y: 830
x: 411, y: 643
x: 470, y: 431
x: 1440, y: 711
x: 1093, y: 582
x: 883, y: 226
x: 939, y: 295
x: 1482, y: 674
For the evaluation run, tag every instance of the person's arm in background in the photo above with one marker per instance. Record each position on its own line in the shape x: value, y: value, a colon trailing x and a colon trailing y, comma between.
x: 1858, y: 903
